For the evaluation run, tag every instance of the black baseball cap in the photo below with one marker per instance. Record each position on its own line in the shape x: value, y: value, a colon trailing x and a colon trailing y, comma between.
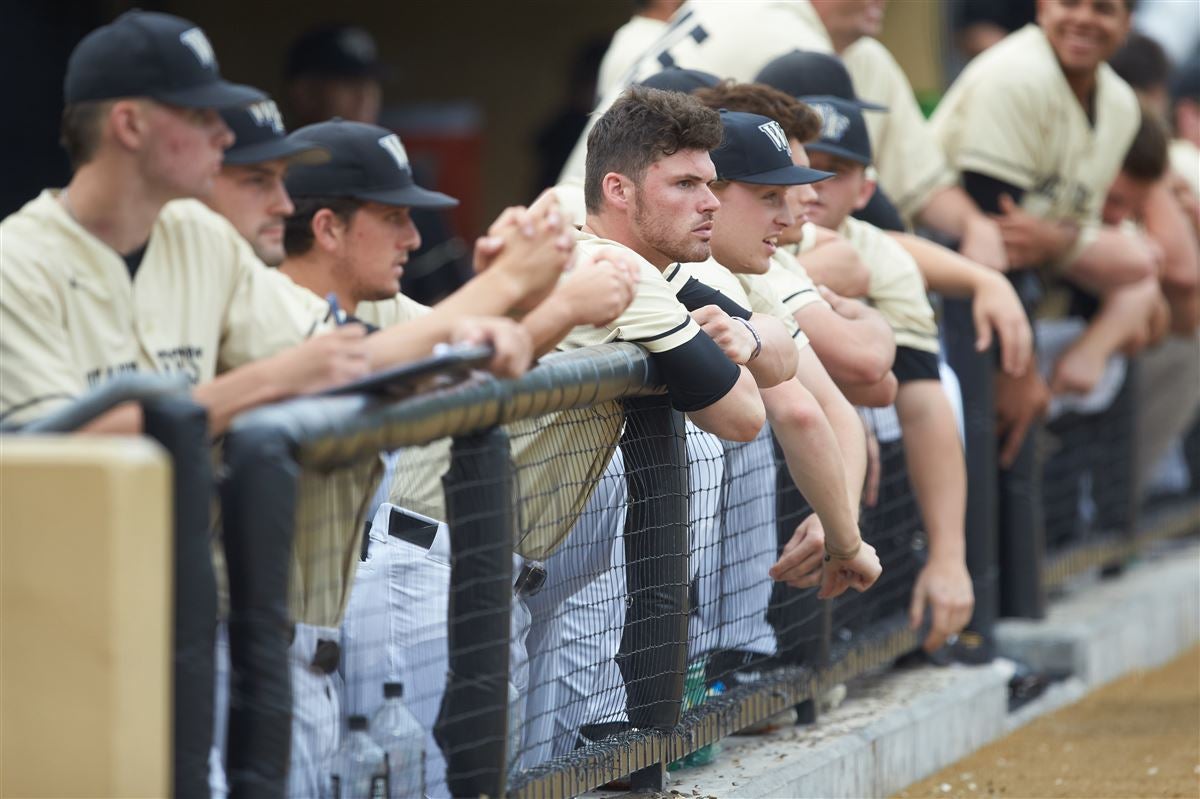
x: 684, y: 81
x: 803, y: 73
x: 148, y: 54
x: 334, y: 51
x: 366, y: 162
x: 262, y: 137
x: 755, y: 150
x: 843, y: 129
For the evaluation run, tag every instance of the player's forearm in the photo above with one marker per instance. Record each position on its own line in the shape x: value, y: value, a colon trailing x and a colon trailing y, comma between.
x: 873, y: 395
x: 1167, y: 224
x: 776, y: 361
x: 239, y: 390
x: 948, y: 210
x: 858, y: 351
x: 1122, y: 320
x: 936, y: 468
x: 123, y: 420
x: 837, y: 265
x: 737, y: 416
x: 847, y: 427
x: 1111, y: 260
x: 548, y: 324
x: 814, y: 459
x: 944, y: 270
x: 493, y: 293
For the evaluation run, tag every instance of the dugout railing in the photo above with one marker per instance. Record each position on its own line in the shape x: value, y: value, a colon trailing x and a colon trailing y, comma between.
x: 280, y: 457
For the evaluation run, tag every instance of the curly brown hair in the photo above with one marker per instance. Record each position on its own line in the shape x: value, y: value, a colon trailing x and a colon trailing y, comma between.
x: 643, y: 126
x: 798, y: 120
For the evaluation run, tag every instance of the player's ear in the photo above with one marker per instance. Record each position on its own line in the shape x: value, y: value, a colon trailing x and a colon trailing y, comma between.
x: 127, y: 123
x: 617, y: 190
x: 328, y: 230
x: 865, y: 193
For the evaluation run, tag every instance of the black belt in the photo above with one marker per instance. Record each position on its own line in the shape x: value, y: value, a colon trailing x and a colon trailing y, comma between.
x: 421, y: 533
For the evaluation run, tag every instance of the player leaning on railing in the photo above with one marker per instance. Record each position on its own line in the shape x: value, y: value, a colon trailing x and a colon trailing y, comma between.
x: 158, y: 282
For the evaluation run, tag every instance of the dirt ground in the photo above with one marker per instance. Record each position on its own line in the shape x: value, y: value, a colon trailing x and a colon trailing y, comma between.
x: 1136, y: 737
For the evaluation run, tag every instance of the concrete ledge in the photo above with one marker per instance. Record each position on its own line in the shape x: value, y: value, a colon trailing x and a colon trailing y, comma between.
x: 1101, y: 629
x: 894, y: 729
x: 900, y: 726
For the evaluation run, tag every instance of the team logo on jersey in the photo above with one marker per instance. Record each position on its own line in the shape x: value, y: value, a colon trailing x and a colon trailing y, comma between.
x: 392, y: 144
x: 197, y: 42
x: 833, y: 122
x: 777, y: 136
x: 266, y: 115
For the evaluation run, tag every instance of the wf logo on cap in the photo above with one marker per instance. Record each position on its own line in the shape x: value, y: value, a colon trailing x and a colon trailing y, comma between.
x: 776, y: 135
x: 833, y: 122
x: 198, y: 43
x: 395, y: 149
x: 266, y: 115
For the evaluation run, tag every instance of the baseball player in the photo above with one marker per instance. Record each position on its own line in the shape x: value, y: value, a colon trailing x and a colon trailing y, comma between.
x: 649, y: 21
x: 1169, y: 373
x: 933, y: 449
x: 661, y: 206
x: 1037, y: 127
x: 752, y: 152
x: 712, y: 35
x: 158, y: 281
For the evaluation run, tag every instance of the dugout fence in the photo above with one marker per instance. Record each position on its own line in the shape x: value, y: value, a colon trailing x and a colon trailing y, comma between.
x: 571, y: 581
x: 656, y: 632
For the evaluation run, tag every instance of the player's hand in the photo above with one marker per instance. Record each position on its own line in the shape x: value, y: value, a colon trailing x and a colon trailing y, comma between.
x: 514, y: 218
x: 944, y: 586
x: 1029, y: 240
x: 983, y: 243
x: 844, y: 306
x: 1078, y: 371
x: 512, y: 345
x: 324, y: 361
x: 803, y: 555
x: 731, y: 336
x: 599, y: 287
x: 535, y: 245
x: 1019, y: 401
x: 997, y: 307
x: 859, y: 573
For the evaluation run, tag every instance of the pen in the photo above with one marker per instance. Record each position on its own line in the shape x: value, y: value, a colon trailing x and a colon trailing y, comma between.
x: 334, y: 310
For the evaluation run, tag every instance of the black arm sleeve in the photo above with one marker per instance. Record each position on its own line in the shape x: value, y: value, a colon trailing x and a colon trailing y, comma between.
x: 697, y: 373
x: 695, y: 294
x: 985, y: 190
x: 881, y: 212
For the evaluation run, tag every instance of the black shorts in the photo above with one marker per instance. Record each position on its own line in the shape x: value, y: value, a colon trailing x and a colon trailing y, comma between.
x: 912, y: 364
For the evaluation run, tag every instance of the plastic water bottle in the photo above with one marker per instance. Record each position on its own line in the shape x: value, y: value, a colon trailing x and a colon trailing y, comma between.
x: 402, y: 739
x: 359, y: 769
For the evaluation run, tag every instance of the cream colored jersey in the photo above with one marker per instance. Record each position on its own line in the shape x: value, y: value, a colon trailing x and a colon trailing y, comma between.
x: 559, y: 458
x: 896, y: 288
x: 1012, y: 116
x: 71, y: 317
x: 791, y: 282
x: 629, y: 42
x: 737, y: 39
